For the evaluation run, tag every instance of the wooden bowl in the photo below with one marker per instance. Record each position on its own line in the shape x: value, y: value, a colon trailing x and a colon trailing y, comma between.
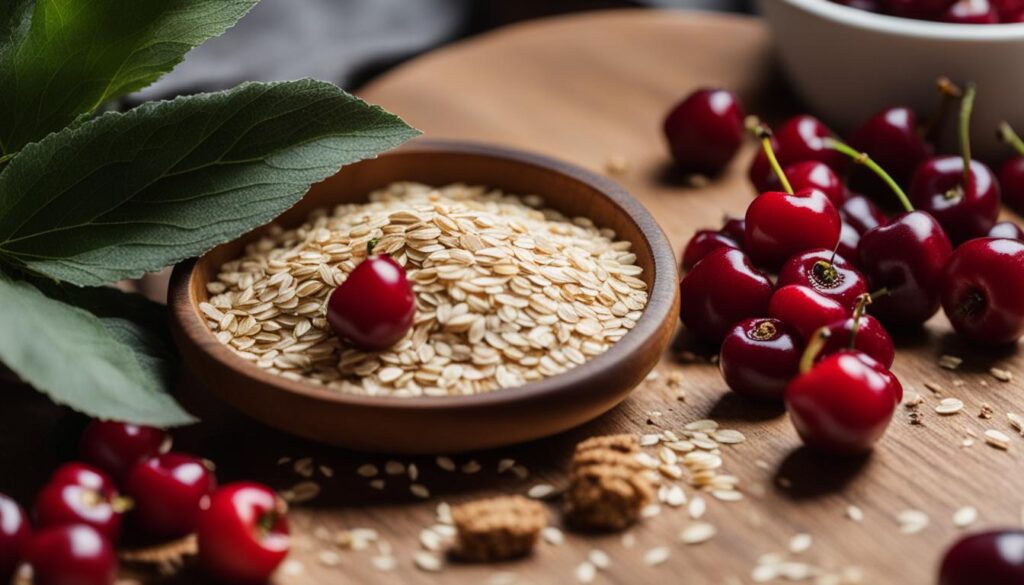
x: 457, y: 423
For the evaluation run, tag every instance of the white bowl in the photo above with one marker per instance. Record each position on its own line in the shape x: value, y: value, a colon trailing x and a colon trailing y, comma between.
x: 846, y: 64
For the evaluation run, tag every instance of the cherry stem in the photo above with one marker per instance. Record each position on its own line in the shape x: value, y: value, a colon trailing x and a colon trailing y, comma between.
x: 882, y: 292
x: 966, y: 107
x: 1007, y: 135
x: 858, y: 313
x: 814, y: 347
x: 862, y: 158
x: 761, y: 131
x: 948, y: 91
x: 371, y: 245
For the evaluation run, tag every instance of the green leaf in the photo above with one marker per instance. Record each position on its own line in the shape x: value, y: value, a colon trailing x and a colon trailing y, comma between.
x: 128, y: 193
x: 106, y: 366
x: 63, y: 58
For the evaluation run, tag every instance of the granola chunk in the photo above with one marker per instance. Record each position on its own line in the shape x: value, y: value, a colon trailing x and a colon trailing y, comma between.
x: 607, y: 486
x: 500, y: 528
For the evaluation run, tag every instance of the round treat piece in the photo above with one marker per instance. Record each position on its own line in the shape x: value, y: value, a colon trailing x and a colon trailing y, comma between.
x: 496, y: 529
x: 607, y: 488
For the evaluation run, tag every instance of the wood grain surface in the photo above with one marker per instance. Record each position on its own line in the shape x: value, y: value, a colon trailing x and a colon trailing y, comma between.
x: 589, y: 89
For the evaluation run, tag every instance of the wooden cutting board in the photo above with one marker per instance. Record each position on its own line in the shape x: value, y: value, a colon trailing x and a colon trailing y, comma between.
x: 592, y: 90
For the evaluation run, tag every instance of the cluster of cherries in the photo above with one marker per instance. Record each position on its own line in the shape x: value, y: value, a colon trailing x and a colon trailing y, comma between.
x: 806, y: 338
x: 952, y: 11
x: 125, y: 479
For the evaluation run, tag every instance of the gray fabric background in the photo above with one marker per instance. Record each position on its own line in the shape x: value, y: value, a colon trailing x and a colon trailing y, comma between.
x: 343, y: 41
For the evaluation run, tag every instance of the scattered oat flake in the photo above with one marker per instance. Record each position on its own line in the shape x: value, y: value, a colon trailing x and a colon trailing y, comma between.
x: 997, y: 439
x: 950, y: 362
x: 697, y: 507
x: 616, y: 164
x: 377, y: 484
x: 912, y: 521
x: 329, y: 558
x: 471, y: 466
x: 541, y: 491
x: 384, y: 562
x: 649, y: 440
x: 505, y: 465
x: 427, y: 562
x: 697, y: 533
x: 430, y: 540
x: 728, y: 436
x: 1001, y: 374
x: 727, y: 495
x: 675, y: 496
x: 552, y: 535
x: 854, y: 513
x: 800, y: 543
x: 585, y: 572
x: 629, y: 539
x: 948, y: 406
x: 394, y: 468
x: 419, y: 490
x: 326, y: 471
x: 367, y: 470
x: 503, y: 578
x: 702, y: 425
x: 445, y: 463
x: 935, y: 388
x: 599, y: 559
x: 413, y: 472
x: 293, y: 568
x: 656, y: 556
x: 965, y: 516
x: 1016, y: 421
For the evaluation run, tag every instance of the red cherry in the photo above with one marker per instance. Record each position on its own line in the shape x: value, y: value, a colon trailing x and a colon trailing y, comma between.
x: 937, y: 187
x: 811, y: 174
x: 168, y: 490
x: 985, y: 558
x: 705, y: 131
x: 733, y: 228
x: 868, y: 5
x: 115, y: 447
x: 872, y: 339
x: 74, y: 554
x: 849, y: 238
x: 971, y: 12
x: 780, y: 226
x: 827, y: 273
x: 801, y: 138
x: 374, y: 307
x: 702, y: 243
x: 906, y: 257
x: 14, y: 535
x: 1011, y: 177
x: 922, y: 9
x: 1006, y: 229
x: 891, y: 139
x: 721, y: 290
x: 1014, y: 17
x: 844, y: 403
x: 861, y: 213
x: 1008, y: 9
x: 243, y: 534
x: 759, y: 357
x: 81, y: 494
x: 804, y: 309
x: 983, y: 290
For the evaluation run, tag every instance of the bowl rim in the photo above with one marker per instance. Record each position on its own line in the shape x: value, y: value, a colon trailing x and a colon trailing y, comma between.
x: 896, y: 25
x: 662, y: 299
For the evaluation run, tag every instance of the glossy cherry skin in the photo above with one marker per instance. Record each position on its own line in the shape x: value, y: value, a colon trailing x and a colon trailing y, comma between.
x: 734, y: 228
x: 994, y: 557
x: 861, y: 213
x: 374, y: 307
x: 849, y: 239
x: 705, y: 131
x: 963, y: 213
x: 115, y: 447
x: 872, y: 339
x: 167, y: 491
x: 801, y: 138
x: 804, y: 309
x: 811, y: 174
x: 243, y: 534
x: 906, y: 257
x: 892, y: 140
x: 72, y: 554
x: 922, y: 9
x: 1006, y: 229
x: 1011, y: 179
x: 722, y: 289
x: 1009, y: 10
x: 827, y: 273
x: 844, y: 403
x: 971, y: 12
x: 759, y: 357
x: 80, y: 494
x: 702, y: 243
x: 14, y: 535
x: 983, y: 291
x: 780, y: 226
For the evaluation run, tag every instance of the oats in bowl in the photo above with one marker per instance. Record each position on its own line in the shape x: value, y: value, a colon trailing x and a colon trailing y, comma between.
x: 507, y: 292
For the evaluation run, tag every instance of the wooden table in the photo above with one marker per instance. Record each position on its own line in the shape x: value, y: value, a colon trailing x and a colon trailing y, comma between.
x: 592, y: 89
